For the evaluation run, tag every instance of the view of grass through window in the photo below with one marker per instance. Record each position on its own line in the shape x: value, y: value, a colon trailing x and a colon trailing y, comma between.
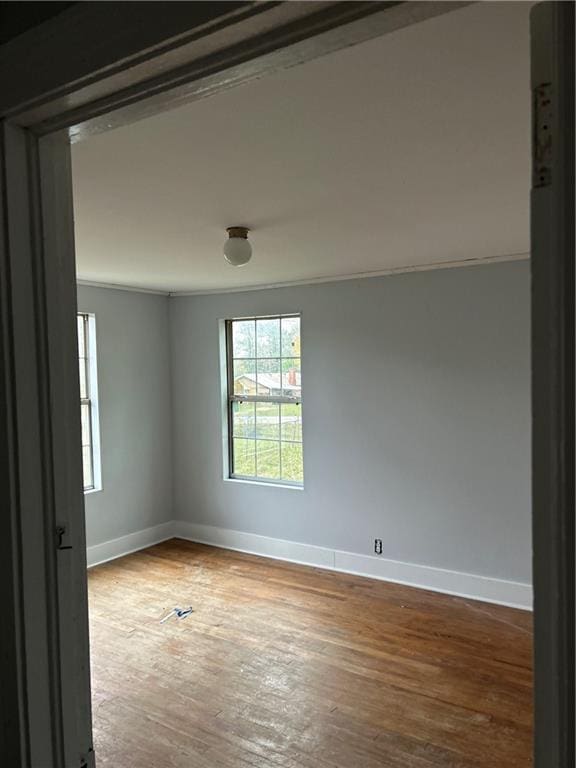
x: 265, y: 398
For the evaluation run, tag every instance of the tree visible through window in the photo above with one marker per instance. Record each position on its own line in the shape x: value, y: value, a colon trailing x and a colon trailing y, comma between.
x: 265, y: 399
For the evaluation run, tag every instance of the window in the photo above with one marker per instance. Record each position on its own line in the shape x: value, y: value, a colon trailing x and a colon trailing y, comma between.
x: 89, y: 401
x: 265, y: 399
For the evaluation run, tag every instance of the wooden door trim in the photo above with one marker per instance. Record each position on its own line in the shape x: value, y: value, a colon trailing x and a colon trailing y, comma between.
x: 207, y: 48
x: 552, y: 303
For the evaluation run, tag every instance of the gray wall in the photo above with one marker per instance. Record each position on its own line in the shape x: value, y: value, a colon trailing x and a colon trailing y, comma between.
x: 134, y: 393
x: 416, y: 418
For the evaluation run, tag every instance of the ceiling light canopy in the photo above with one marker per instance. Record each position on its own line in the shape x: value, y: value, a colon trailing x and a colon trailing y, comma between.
x: 237, y: 249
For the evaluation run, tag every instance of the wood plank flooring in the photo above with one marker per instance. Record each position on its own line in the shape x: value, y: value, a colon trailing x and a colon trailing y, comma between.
x: 284, y: 666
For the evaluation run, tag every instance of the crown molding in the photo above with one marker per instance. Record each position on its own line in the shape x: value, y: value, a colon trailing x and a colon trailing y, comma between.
x: 360, y: 275
x: 313, y: 280
x: 121, y: 287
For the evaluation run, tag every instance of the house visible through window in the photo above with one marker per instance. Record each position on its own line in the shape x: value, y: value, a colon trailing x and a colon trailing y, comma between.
x: 265, y: 399
x: 89, y: 401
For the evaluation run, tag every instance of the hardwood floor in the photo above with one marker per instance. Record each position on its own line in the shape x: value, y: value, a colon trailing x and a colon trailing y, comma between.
x: 284, y: 666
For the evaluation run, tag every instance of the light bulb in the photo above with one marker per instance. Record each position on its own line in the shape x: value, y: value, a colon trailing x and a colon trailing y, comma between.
x: 237, y: 249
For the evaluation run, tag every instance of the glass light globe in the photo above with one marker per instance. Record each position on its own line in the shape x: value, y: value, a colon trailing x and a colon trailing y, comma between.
x: 237, y: 251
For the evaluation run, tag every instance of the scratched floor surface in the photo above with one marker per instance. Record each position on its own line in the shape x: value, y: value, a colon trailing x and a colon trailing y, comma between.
x: 284, y: 666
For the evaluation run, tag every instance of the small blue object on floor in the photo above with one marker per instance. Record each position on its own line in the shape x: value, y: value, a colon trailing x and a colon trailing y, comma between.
x: 180, y: 613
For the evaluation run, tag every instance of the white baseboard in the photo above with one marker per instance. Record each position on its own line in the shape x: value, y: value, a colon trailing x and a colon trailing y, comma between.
x: 110, y: 550
x: 472, y: 586
x: 512, y: 593
x: 490, y: 590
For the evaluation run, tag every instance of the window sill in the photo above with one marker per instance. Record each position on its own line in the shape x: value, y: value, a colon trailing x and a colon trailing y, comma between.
x: 263, y: 483
x: 92, y: 490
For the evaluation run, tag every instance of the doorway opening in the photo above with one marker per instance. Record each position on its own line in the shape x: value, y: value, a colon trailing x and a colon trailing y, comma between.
x: 396, y: 229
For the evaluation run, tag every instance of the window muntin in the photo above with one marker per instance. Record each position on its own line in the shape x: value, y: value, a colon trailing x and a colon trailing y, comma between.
x: 265, y: 399
x: 88, y: 401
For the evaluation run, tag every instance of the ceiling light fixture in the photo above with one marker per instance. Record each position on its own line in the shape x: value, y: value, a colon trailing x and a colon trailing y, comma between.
x: 237, y: 249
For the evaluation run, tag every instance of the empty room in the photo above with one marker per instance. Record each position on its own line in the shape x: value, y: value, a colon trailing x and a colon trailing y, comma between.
x: 304, y: 346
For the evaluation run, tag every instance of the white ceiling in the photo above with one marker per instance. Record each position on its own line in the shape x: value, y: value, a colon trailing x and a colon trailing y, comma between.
x: 408, y: 150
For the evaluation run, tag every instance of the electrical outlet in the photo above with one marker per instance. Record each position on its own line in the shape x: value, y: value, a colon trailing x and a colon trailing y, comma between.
x: 378, y: 546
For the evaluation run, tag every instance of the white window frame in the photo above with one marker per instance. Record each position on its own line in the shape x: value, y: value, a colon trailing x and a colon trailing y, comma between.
x: 229, y: 398
x: 89, y: 327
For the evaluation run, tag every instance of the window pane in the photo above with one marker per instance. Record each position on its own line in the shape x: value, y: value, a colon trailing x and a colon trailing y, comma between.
x: 243, y: 338
x: 265, y: 362
x: 244, y: 419
x: 269, y: 378
x: 244, y: 377
x: 268, y: 338
x: 83, y: 380
x: 268, y: 420
x: 290, y: 336
x: 292, y: 467
x: 291, y: 421
x: 86, y: 431
x: 291, y: 378
x: 268, y: 459
x: 244, y: 457
x: 87, y: 467
x: 81, y: 339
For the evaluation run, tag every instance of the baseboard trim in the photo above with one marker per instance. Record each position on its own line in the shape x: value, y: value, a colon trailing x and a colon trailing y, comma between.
x: 468, y: 585
x: 125, y: 545
x: 472, y: 586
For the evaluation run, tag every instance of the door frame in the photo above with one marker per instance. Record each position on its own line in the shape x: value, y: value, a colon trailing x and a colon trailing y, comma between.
x: 552, y: 320
x: 100, y: 65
